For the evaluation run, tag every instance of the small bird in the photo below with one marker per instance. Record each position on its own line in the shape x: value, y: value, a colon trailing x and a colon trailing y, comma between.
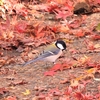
x: 53, y: 52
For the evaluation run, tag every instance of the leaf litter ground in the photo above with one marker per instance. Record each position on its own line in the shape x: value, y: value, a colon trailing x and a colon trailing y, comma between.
x: 30, y: 83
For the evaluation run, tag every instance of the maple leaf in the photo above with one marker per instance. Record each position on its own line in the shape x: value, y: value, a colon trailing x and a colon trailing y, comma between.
x: 80, y: 34
x: 20, y: 26
x: 90, y: 45
x: 62, y: 14
x: 49, y: 73
x: 68, y: 91
x: 79, y: 95
x: 27, y: 92
x: 95, y: 37
x: 88, y: 97
x: 64, y: 29
x: 52, y: 7
x: 56, y: 67
x: 20, y: 9
x: 49, y: 7
x: 65, y: 11
x: 84, y: 60
x: 91, y: 71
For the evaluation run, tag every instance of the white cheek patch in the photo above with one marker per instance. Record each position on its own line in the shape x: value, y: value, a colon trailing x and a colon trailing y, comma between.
x: 60, y: 46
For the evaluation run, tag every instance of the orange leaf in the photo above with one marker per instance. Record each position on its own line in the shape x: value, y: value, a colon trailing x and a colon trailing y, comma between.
x: 79, y: 78
x: 80, y: 34
x: 91, y: 71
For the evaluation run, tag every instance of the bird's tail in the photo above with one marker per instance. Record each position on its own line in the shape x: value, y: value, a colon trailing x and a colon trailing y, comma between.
x: 32, y: 61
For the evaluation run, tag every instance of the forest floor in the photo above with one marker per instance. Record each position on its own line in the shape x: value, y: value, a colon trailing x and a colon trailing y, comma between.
x: 31, y: 83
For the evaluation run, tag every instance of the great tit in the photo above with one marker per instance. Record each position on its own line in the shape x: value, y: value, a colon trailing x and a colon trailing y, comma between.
x: 53, y: 52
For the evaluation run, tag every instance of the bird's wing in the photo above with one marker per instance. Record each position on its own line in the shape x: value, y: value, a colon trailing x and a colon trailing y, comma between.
x: 44, y: 55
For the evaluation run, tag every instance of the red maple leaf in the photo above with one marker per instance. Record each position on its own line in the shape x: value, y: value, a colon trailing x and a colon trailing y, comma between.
x: 53, y: 70
x: 56, y: 67
x: 68, y: 91
x: 20, y: 26
x: 80, y: 34
x: 62, y: 14
x: 49, y: 73
x: 95, y: 37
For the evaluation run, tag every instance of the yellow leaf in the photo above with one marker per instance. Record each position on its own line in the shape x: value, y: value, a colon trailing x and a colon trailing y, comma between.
x: 27, y: 92
x: 79, y: 78
x: 67, y: 40
x: 84, y: 59
x: 91, y: 71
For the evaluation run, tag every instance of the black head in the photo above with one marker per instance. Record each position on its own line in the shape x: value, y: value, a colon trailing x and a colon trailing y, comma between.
x: 61, y: 44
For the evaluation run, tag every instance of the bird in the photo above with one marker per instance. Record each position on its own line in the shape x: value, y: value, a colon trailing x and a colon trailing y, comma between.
x: 51, y: 54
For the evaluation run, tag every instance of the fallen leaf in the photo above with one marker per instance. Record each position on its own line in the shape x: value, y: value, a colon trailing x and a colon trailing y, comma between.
x: 68, y: 91
x: 84, y: 60
x: 79, y: 96
x: 56, y: 67
x: 80, y: 77
x: 62, y: 14
x: 63, y: 29
x: 27, y: 92
x: 20, y: 26
x: 91, y: 70
x: 80, y: 34
x: 49, y: 73
x: 90, y: 45
x: 95, y: 37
